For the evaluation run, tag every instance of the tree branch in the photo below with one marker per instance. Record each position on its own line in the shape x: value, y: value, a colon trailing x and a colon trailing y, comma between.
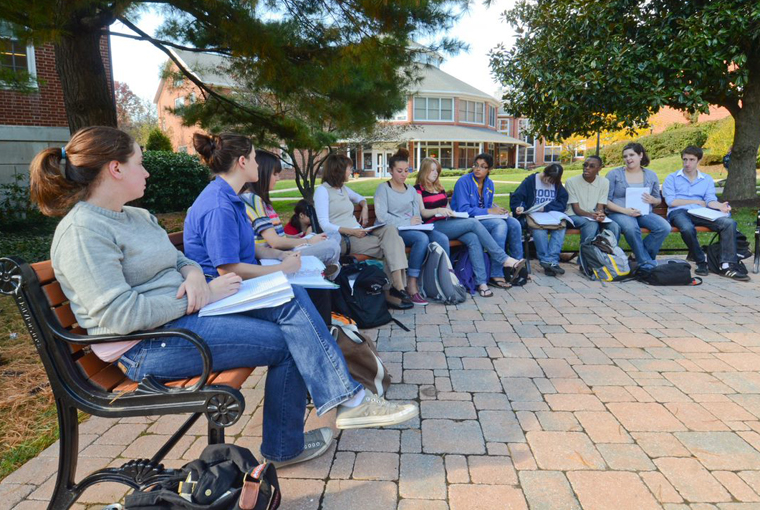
x: 222, y: 51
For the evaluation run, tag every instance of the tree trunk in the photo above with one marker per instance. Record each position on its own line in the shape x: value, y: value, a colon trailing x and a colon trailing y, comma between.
x: 88, y: 99
x: 742, y: 168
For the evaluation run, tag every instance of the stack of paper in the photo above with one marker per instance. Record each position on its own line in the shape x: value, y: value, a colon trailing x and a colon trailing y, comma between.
x: 707, y: 213
x: 373, y: 227
x: 551, y: 218
x: 421, y: 226
x: 634, y: 200
x: 492, y: 216
x: 310, y: 275
x: 262, y: 292
x: 455, y: 214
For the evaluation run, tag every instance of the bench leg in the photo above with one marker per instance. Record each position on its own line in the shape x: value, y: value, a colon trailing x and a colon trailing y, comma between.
x: 215, y: 434
x: 526, y: 249
x: 66, y: 492
x: 756, y: 268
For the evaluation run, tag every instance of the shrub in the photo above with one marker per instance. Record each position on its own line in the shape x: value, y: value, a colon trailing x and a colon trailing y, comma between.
x: 158, y: 141
x: 668, y: 143
x: 176, y: 179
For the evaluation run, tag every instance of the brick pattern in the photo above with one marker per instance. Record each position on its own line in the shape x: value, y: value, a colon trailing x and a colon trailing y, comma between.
x: 44, y: 107
x: 558, y: 395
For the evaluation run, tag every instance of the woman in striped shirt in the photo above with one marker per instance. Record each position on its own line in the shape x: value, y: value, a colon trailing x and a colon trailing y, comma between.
x: 467, y: 230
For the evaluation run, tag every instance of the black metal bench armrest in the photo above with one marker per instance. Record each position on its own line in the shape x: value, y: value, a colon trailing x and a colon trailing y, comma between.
x: 149, y: 381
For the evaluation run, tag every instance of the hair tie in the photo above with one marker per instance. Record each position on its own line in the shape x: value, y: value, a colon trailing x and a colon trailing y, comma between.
x: 212, y: 143
x: 63, y: 153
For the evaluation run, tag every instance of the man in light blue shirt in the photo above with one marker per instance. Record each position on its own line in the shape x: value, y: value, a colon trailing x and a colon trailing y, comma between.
x: 688, y: 189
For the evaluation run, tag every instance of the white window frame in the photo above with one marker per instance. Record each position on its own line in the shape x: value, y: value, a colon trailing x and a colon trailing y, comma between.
x: 553, y: 149
x: 401, y: 115
x: 180, y: 100
x: 491, y: 116
x: 508, y: 129
x: 437, y: 146
x: 31, y: 63
x: 474, y: 110
x: 529, y: 152
x: 418, y: 99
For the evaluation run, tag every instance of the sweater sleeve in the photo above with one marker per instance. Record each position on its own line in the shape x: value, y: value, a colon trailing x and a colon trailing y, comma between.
x: 518, y: 198
x: 560, y: 201
x: 91, y: 268
x: 353, y: 196
x: 462, y: 200
x: 322, y: 206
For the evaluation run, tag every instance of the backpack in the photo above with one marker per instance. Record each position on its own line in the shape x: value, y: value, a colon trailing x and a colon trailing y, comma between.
x: 438, y: 281
x: 602, y: 259
x: 225, y: 477
x: 361, y: 295
x: 363, y: 361
x: 463, y: 270
x: 712, y: 252
x: 667, y: 272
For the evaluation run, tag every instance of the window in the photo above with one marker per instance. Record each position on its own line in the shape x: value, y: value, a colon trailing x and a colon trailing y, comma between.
x: 399, y: 115
x: 178, y: 81
x: 491, y: 116
x: 191, y: 97
x: 505, y: 126
x: 433, y: 108
x: 467, y: 153
x: 442, y: 151
x: 367, y: 157
x: 470, y: 111
x: 182, y: 148
x: 17, y: 58
x: 552, y: 153
x: 179, y: 102
x: 525, y: 155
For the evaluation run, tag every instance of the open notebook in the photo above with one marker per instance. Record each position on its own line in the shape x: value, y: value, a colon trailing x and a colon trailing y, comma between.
x: 310, y: 275
x: 707, y: 213
x: 262, y: 292
x: 550, y: 218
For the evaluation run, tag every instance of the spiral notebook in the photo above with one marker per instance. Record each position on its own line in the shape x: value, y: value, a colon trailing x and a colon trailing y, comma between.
x: 263, y: 292
x: 311, y: 274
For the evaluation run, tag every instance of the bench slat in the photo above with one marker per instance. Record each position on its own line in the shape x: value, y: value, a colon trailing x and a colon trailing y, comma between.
x: 91, y: 364
x: 54, y: 293
x: 108, y: 378
x: 44, y: 271
x: 65, y: 316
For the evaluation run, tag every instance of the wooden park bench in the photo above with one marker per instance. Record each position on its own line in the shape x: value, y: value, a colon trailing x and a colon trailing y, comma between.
x: 81, y: 381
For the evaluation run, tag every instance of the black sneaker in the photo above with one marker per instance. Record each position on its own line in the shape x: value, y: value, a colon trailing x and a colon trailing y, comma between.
x: 399, y: 299
x: 733, y: 272
x: 548, y: 269
x: 702, y: 269
x: 558, y: 269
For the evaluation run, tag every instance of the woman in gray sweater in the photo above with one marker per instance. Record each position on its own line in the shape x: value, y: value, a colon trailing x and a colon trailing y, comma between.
x: 121, y: 274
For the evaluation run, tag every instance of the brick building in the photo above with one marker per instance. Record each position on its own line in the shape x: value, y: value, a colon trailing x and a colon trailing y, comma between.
x: 31, y: 121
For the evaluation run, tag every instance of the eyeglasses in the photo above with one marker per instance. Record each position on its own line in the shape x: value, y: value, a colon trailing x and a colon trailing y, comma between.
x: 475, y: 167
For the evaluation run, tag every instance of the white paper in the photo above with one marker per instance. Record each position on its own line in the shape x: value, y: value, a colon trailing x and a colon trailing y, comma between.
x: 707, y: 213
x: 492, y: 217
x: 606, y: 220
x: 262, y: 292
x: 535, y: 208
x: 633, y: 200
x: 454, y: 214
x: 421, y: 226
x: 311, y: 274
x: 373, y: 227
x: 551, y: 218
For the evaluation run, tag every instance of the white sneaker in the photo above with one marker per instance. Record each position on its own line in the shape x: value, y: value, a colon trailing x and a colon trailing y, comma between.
x: 316, y: 442
x: 374, y: 411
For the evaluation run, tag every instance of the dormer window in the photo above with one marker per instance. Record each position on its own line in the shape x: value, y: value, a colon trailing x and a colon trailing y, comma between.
x: 433, y: 108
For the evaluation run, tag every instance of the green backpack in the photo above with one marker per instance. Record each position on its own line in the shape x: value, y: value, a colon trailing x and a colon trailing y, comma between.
x: 602, y: 259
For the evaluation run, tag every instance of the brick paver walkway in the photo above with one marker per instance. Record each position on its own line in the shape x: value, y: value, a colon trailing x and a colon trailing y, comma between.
x: 560, y: 395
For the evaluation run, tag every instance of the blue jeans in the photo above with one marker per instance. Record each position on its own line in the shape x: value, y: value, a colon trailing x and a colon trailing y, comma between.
x: 548, y: 244
x: 726, y: 228
x: 645, y: 250
x: 590, y: 228
x: 291, y: 339
x: 508, y: 235
x: 474, y: 235
x: 418, y: 240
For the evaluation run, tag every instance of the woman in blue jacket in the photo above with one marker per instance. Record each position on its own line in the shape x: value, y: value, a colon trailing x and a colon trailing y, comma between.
x: 544, y: 188
x: 474, y: 194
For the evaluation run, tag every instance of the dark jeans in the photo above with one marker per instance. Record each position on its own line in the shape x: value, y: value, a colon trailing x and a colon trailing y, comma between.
x: 725, y: 227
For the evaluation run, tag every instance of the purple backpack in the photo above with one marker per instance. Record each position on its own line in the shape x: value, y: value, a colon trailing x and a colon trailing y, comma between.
x: 463, y: 270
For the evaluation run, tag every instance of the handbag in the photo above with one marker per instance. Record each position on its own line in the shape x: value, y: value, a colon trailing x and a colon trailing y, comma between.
x: 533, y: 225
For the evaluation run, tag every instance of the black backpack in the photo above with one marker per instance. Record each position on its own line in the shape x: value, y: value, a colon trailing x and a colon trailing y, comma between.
x: 712, y: 252
x: 225, y: 477
x: 667, y: 272
x: 361, y: 295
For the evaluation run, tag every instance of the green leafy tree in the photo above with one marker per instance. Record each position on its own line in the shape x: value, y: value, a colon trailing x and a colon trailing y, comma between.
x: 585, y: 67
x: 134, y: 115
x: 312, y: 54
x: 158, y: 141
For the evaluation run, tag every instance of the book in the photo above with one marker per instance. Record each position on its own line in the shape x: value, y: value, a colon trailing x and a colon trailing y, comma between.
x: 634, y: 200
x: 707, y: 213
x: 550, y: 218
x: 421, y: 226
x: 492, y: 216
x: 535, y: 208
x: 455, y: 214
x: 263, y: 292
x: 311, y: 274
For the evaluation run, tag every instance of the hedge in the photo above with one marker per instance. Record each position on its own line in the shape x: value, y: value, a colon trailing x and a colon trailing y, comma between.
x: 176, y: 180
x: 660, y: 145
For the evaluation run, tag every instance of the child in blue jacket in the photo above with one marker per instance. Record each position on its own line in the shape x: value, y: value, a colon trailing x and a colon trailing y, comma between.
x: 474, y: 194
x: 545, y: 188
